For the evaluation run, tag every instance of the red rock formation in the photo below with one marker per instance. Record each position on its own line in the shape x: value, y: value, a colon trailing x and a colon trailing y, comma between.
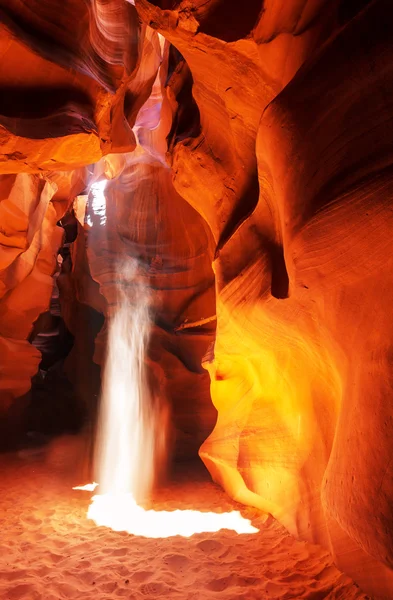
x: 29, y: 240
x: 292, y: 259
x: 275, y: 120
x: 73, y: 80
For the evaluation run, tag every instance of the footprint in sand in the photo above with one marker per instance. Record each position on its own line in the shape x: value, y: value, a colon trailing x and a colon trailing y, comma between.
x: 59, y: 544
x: 41, y: 571
x: 247, y: 581
x: 176, y: 562
x: 13, y: 575
x: 209, y: 546
x: 84, y: 564
x: 122, y: 571
x: 275, y: 590
x: 32, y: 520
x: 55, y: 557
x: 108, y: 587
x: 219, y: 585
x: 88, y: 577
x: 21, y: 591
x: 154, y: 589
x: 119, y: 552
x: 141, y: 576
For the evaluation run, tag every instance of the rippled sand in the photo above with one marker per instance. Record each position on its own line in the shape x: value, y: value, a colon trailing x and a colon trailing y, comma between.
x: 50, y: 551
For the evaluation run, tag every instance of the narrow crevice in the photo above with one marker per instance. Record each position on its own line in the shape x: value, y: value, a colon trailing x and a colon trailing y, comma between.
x: 348, y: 9
x: 245, y: 206
x: 186, y: 118
x: 280, y: 279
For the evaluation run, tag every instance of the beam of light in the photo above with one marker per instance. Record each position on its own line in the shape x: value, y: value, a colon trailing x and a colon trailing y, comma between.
x: 97, y: 204
x: 131, y: 433
x: 128, y: 429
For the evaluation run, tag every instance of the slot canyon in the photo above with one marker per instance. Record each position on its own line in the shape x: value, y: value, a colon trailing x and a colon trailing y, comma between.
x: 196, y: 370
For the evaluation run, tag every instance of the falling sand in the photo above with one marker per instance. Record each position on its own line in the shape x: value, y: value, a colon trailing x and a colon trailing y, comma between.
x: 49, y: 550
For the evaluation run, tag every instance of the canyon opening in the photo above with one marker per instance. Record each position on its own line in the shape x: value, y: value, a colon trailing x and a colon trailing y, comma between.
x: 195, y: 299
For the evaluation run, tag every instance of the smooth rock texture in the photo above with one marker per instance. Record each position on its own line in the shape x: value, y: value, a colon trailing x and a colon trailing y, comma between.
x: 73, y: 79
x: 29, y: 240
x: 243, y: 162
x: 293, y: 263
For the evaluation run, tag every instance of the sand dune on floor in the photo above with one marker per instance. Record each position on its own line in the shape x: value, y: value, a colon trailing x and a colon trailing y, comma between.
x: 50, y: 551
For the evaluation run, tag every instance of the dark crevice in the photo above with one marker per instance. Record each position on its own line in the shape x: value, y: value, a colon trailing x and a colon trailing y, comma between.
x: 226, y: 22
x: 45, y: 112
x: 165, y: 4
x: 53, y: 407
x: 38, y: 102
x: 280, y: 279
x: 279, y: 286
x: 348, y: 9
x: 245, y: 206
x: 174, y: 59
x: 186, y: 119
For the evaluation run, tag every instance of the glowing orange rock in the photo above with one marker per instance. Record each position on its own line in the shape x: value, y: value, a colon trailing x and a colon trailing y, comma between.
x: 278, y: 123
x: 302, y: 230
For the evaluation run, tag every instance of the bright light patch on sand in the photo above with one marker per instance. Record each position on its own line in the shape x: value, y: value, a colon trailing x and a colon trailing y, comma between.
x: 121, y: 513
x: 89, y: 487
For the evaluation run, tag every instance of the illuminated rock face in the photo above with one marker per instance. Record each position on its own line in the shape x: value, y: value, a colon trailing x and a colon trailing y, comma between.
x: 302, y: 259
x: 275, y: 119
x: 73, y: 80
x: 30, y: 207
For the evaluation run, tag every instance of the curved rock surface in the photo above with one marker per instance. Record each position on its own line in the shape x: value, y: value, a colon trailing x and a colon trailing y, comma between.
x: 294, y: 358
x: 243, y: 148
x: 29, y: 240
x: 73, y: 80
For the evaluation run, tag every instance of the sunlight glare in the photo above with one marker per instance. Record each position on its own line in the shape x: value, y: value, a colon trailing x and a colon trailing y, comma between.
x: 120, y: 512
x: 131, y: 436
x: 89, y: 487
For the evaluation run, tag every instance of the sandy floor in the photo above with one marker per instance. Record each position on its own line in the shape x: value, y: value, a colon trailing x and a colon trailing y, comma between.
x: 49, y: 551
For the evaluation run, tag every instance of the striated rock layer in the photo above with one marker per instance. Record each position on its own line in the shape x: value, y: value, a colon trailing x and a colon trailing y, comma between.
x: 275, y: 120
x: 291, y: 169
x: 73, y: 78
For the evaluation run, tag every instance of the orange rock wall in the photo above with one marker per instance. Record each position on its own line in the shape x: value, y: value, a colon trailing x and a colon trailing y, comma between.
x: 275, y: 118
x: 291, y: 169
x: 30, y: 207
